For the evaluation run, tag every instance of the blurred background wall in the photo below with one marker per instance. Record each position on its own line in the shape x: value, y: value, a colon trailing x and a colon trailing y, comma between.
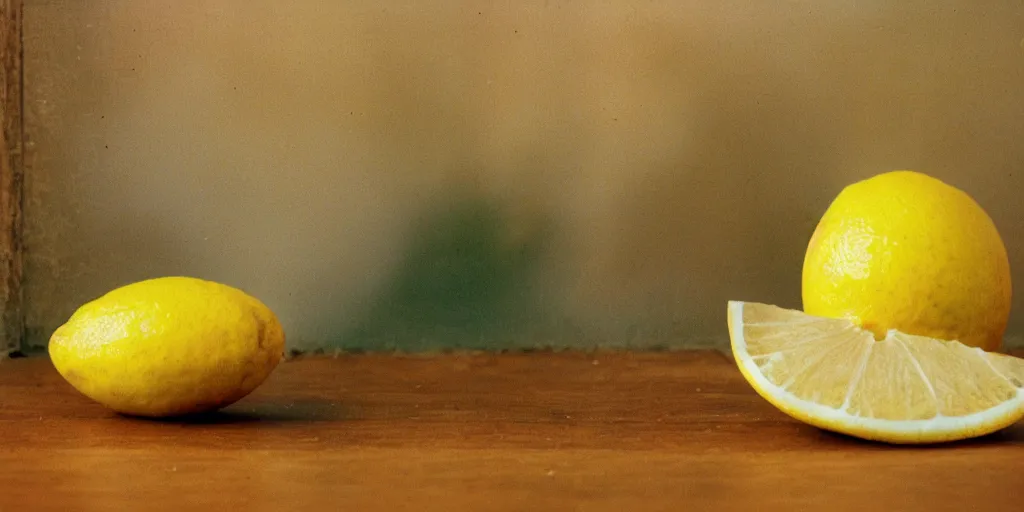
x: 419, y: 175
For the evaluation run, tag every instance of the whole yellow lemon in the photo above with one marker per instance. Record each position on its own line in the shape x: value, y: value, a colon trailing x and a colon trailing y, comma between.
x: 169, y: 346
x: 905, y: 251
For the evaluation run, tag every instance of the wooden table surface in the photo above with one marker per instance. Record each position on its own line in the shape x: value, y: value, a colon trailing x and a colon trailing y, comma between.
x: 540, y: 431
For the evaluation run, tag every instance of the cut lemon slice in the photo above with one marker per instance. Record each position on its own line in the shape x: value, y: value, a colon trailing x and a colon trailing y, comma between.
x: 902, y: 389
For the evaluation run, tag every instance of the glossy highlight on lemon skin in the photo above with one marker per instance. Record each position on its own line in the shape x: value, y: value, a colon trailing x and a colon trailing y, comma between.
x: 905, y: 251
x: 168, y: 347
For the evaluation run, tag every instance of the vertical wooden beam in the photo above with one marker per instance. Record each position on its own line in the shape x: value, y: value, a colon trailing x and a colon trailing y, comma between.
x: 11, y: 174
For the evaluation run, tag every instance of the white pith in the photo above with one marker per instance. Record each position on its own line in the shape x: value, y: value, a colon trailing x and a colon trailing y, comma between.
x: 937, y: 426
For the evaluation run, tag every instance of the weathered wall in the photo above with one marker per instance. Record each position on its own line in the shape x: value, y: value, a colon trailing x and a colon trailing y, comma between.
x: 424, y: 174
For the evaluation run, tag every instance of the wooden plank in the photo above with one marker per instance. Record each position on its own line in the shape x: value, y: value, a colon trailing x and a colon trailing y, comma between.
x: 541, y: 431
x: 11, y: 169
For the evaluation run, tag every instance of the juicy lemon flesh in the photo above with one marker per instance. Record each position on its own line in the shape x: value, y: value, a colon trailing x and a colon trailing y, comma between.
x: 834, y: 375
x: 168, y: 347
x: 905, y: 251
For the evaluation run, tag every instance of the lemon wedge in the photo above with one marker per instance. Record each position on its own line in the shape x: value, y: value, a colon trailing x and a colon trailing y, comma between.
x: 902, y: 389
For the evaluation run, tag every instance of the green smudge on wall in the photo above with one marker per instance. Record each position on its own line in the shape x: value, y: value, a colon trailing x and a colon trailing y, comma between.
x: 464, y: 282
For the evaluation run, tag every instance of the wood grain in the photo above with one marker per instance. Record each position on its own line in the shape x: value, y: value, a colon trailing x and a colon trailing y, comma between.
x: 541, y: 431
x: 11, y: 320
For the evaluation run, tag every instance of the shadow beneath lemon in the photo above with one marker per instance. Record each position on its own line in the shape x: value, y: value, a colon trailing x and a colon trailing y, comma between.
x: 1012, y: 435
x: 266, y: 413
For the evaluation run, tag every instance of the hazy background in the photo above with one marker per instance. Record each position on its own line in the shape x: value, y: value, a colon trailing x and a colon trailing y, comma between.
x: 426, y: 174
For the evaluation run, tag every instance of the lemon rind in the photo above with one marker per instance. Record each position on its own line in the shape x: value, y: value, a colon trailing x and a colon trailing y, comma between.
x: 936, y: 429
